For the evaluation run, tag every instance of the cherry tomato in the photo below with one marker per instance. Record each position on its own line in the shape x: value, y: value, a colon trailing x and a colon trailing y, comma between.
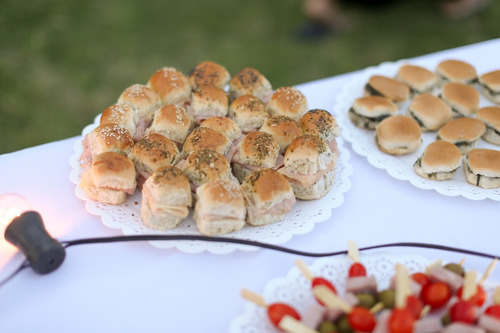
x: 463, y: 311
x: 320, y: 281
x: 478, y: 298
x: 414, y: 305
x: 493, y: 310
x: 401, y: 321
x: 277, y: 311
x: 357, y: 269
x: 435, y: 294
x: 421, y: 278
x: 361, y: 319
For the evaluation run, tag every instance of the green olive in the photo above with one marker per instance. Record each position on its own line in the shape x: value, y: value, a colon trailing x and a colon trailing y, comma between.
x: 343, y: 325
x: 387, y: 297
x: 445, y: 319
x: 327, y: 327
x: 366, y: 300
x: 455, y: 268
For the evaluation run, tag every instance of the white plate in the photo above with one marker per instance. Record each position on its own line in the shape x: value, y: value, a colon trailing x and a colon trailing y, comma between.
x: 300, y: 220
x: 401, y: 167
x: 294, y: 289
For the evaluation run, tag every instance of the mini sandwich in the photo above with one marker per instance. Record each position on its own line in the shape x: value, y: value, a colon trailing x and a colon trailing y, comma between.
x: 395, y: 91
x: 144, y: 100
x: 287, y: 101
x: 257, y: 150
x: 220, y: 208
x: 110, y: 178
x: 103, y: 138
x: 223, y: 125
x: 173, y: 122
x: 321, y: 123
x: 209, y: 73
x: 462, y: 132
x: 463, y: 99
x: 490, y: 85
x: 439, y: 161
x: 430, y: 112
x: 490, y: 116
x: 121, y: 115
x: 249, y: 112
x: 419, y: 79
x: 398, y: 135
x: 250, y: 81
x: 205, y: 165
x: 482, y: 167
x: 150, y: 153
x: 166, y: 198
x: 208, y: 101
x: 309, y: 166
x: 172, y: 86
x: 284, y: 129
x: 367, y: 112
x: 268, y: 195
x: 456, y: 71
x: 205, y: 138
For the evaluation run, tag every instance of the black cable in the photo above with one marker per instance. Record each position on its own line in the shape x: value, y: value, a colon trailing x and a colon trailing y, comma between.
x: 24, y: 265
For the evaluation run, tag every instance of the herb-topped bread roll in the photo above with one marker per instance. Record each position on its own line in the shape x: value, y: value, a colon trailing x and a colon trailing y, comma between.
x: 171, y: 85
x: 462, y: 132
x: 430, y: 112
x: 209, y: 73
x: 439, y: 161
x: 459, y: 71
x: 367, y: 112
x: 172, y: 121
x: 394, y: 90
x: 321, y: 123
x: 398, y: 135
x: 490, y: 85
x: 223, y: 125
x: 419, y: 79
x: 490, y: 116
x: 166, y: 198
x: 463, y: 99
x: 287, y: 101
x: 482, y: 167
x: 250, y: 81
x: 205, y: 138
x: 284, y: 129
x: 208, y: 101
x: 249, y: 112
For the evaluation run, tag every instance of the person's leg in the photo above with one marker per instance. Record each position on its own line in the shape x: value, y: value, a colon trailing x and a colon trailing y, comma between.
x: 457, y: 9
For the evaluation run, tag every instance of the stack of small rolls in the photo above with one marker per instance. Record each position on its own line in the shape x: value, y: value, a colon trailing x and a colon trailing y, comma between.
x: 446, y: 101
x: 230, y: 147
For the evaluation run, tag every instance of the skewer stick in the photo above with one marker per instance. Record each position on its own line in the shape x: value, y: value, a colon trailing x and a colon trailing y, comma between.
x: 377, y: 307
x: 304, y: 269
x: 425, y: 311
x: 432, y: 265
x: 461, y: 262
x: 328, y: 297
x: 292, y: 325
x: 403, y: 289
x: 496, y: 296
x: 470, y: 286
x: 352, y: 251
x: 254, y: 298
x: 488, y: 271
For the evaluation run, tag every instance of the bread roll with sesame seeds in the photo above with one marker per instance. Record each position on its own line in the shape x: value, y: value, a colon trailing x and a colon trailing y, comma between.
x: 249, y: 112
x: 250, y: 81
x: 288, y: 101
x: 171, y: 85
x: 284, y: 129
x: 142, y: 99
x: 122, y: 115
x: 208, y: 73
x: 173, y: 122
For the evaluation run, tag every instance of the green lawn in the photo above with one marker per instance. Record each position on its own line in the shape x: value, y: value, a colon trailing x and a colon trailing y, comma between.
x: 63, y: 62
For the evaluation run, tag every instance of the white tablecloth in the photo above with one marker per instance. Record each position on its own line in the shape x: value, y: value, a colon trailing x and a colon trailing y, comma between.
x: 132, y: 287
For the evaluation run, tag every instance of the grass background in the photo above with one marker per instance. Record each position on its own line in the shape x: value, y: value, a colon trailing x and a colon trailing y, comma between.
x: 63, y: 62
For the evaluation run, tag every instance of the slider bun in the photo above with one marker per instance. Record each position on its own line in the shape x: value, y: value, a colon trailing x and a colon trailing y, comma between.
x: 120, y: 114
x: 287, y: 101
x: 205, y: 138
x: 144, y: 100
x: 453, y: 70
x: 171, y: 121
x: 250, y: 81
x: 490, y: 116
x: 284, y: 129
x: 259, y: 149
x: 249, y: 112
x: 208, y: 101
x: 171, y: 85
x: 482, y: 167
x: 205, y: 165
x: 153, y: 151
x: 208, y: 73
x: 220, y: 208
x: 264, y: 189
x: 367, y: 112
x: 463, y: 132
x: 395, y: 91
x: 103, y: 195
x: 490, y: 85
x: 315, y: 191
x: 223, y: 125
x: 462, y: 98
x: 166, y: 196
x: 308, y: 154
x: 398, y: 135
x: 430, y: 111
x: 418, y: 78
x: 439, y: 161
x: 109, y: 137
x: 321, y: 123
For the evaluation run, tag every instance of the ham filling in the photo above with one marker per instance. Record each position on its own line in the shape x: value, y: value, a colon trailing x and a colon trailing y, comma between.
x: 158, y: 208
x: 307, y: 180
x: 236, y: 159
x: 278, y: 209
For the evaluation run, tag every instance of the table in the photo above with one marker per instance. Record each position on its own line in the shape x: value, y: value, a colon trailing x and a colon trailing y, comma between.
x: 131, y: 287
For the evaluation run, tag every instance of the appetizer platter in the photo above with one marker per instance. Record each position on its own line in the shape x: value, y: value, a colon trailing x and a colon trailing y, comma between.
x: 180, y: 155
x: 297, y: 295
x: 401, y: 164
